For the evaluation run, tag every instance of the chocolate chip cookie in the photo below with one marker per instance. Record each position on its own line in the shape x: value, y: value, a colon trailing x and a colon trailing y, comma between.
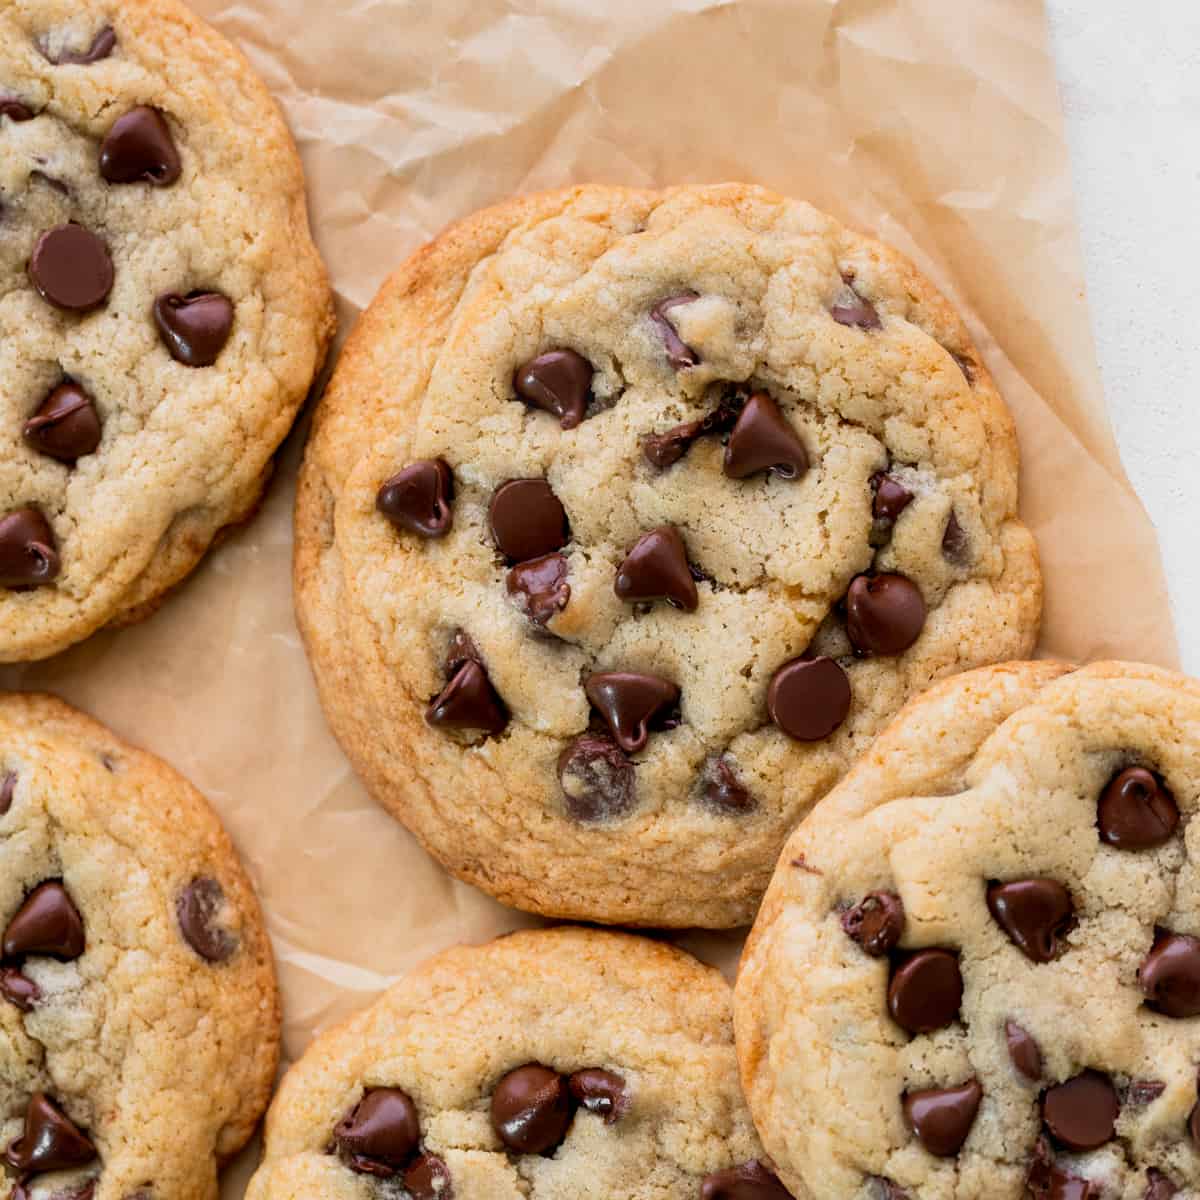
x: 629, y: 519
x: 139, y: 1021
x: 546, y: 1065
x: 976, y: 972
x: 162, y: 309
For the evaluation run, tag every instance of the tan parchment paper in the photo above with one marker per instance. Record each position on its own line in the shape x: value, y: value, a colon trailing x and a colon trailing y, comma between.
x: 932, y: 123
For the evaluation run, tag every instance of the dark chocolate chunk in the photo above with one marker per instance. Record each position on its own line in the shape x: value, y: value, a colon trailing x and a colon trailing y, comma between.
x: 1035, y: 913
x: 28, y: 552
x: 809, y: 698
x: 51, y: 1141
x: 925, y: 991
x: 468, y: 702
x: 679, y: 355
x: 876, y: 922
x: 1170, y: 975
x: 19, y: 989
x: 199, y: 909
x: 102, y: 46
x: 428, y: 1178
x: 557, y: 382
x: 1081, y: 1114
x: 752, y: 1180
x: 46, y: 923
x: 139, y: 149
x: 66, y: 426
x: 194, y: 328
x: 600, y: 1092
x: 629, y: 702
x: 884, y: 613
x: 380, y: 1134
x: 942, y: 1117
x: 657, y: 569
x: 531, y: 1109
x: 764, y: 440
x: 723, y: 791
x: 1024, y: 1051
x: 541, y: 587
x: 597, y: 779
x: 527, y: 519
x: 417, y: 499
x: 71, y: 268
x: 1136, y: 810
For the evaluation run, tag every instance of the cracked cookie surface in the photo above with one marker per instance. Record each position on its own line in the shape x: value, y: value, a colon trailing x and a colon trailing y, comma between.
x: 628, y: 520
x: 162, y: 308
x: 976, y: 972
x: 139, y: 1019
x: 546, y: 1065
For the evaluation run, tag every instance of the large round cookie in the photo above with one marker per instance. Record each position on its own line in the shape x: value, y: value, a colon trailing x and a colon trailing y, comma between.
x: 139, y: 1020
x: 629, y: 518
x: 546, y: 1065
x: 976, y: 972
x: 162, y: 309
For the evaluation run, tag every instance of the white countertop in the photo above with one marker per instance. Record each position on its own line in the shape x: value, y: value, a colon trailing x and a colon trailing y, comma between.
x: 1130, y: 81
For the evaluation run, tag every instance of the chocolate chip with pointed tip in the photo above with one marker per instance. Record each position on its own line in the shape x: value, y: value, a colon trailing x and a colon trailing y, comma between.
x: 752, y: 1180
x: 380, y: 1134
x: 71, y: 268
x: 657, y: 569
x: 28, y: 553
x: 531, y: 1109
x: 428, y: 1178
x: 558, y: 382
x: 809, y: 698
x: 540, y: 586
x: 103, y: 44
x: 876, y: 923
x: 597, y: 779
x: 850, y: 308
x: 889, y: 497
x: 942, y: 1117
x: 956, y: 547
x: 1081, y: 1113
x: 51, y: 1141
x: 66, y: 426
x: 763, y: 439
x: 139, y: 149
x: 629, y: 701
x: 1045, y: 1180
x: 1170, y: 975
x: 1158, y: 1186
x: 200, y: 910
x: 194, y: 328
x: 418, y: 498
x: 8, y: 785
x: 469, y: 703
x: 19, y: 989
x: 1023, y: 1050
x: 679, y: 354
x: 527, y: 519
x: 1136, y: 810
x: 601, y: 1092
x: 1035, y: 913
x: 724, y: 792
x: 925, y: 991
x: 46, y: 923
x: 14, y: 109
x: 884, y: 614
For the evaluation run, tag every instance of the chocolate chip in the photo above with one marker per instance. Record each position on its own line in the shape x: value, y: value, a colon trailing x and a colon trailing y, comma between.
x: 955, y: 546
x: 541, y: 587
x: 679, y: 355
x: 8, y: 785
x: 890, y: 498
x: 1047, y: 1181
x: 1158, y: 1186
x: 557, y: 382
x: 468, y: 702
x: 600, y: 1092
x: 1024, y: 1051
x: 28, y: 554
x: 925, y: 991
x: 199, y: 909
x: 1136, y: 810
x: 849, y: 308
x: 531, y: 1109
x: 417, y: 499
x: 194, y: 328
x: 1141, y: 1092
x: 657, y: 569
x: 722, y: 791
x: 71, y: 268
x: 428, y: 1178
x: 139, y: 149
x: 527, y: 519
x: 597, y: 779
x: 1194, y: 1123
x: 102, y: 46
x: 19, y: 989
x: 46, y: 923
x: 51, y: 1141
x: 884, y: 613
x: 876, y: 922
x: 942, y: 1117
x: 14, y: 110
x: 752, y: 1180
x: 764, y: 440
x: 628, y: 702
x: 1081, y: 1113
x: 663, y: 450
x: 809, y: 698
x: 380, y: 1133
x: 1034, y: 913
x: 66, y: 426
x: 1170, y: 975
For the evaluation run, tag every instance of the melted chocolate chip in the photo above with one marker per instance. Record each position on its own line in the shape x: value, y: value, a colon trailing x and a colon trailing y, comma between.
x: 527, y: 519
x: 925, y: 991
x: 657, y: 569
x: 884, y: 614
x: 19, y: 989
x: 1046, y: 1180
x: 849, y: 308
x: 942, y: 1117
x: 71, y: 268
x: 66, y: 426
x: 1024, y: 1051
x: 557, y: 382
x: 679, y: 355
x: 139, y: 149
x: 428, y: 1178
x: 46, y: 923
x: 891, y: 497
x: 600, y: 1092
x: 955, y: 545
x: 662, y: 450
x: 628, y: 702
x: 1141, y: 1092
x: 722, y: 791
x: 14, y: 110
x: 752, y: 1180
x: 1136, y: 810
x: 417, y: 499
x: 1035, y: 913
x: 597, y: 779
x: 199, y: 909
x: 51, y: 1141
x: 380, y: 1133
x: 1158, y: 1186
x: 1081, y: 1113
x: 468, y: 702
x: 28, y: 553
x: 1170, y: 975
x: 531, y: 1109
x: 541, y: 587
x: 194, y: 328
x: 8, y: 785
x: 102, y: 46
x: 764, y: 440
x: 876, y: 922
x: 809, y: 698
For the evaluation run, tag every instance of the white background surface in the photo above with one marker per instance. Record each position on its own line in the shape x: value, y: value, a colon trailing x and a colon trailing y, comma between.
x: 1130, y: 80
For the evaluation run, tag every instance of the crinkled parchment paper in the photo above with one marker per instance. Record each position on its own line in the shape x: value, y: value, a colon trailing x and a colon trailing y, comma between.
x: 932, y: 123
